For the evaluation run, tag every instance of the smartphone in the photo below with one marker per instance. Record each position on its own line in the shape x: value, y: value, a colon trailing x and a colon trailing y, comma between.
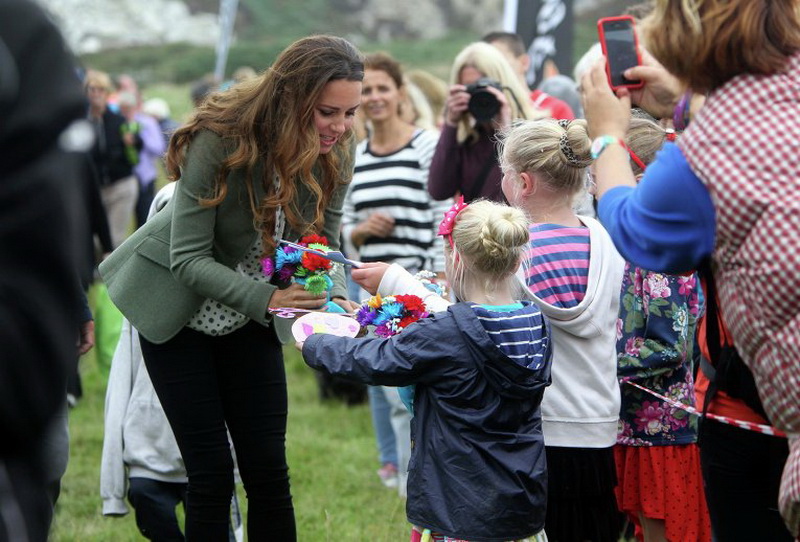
x: 621, y: 49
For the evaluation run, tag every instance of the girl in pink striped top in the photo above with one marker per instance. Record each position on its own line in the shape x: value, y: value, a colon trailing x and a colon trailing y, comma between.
x: 573, y: 273
x: 557, y: 263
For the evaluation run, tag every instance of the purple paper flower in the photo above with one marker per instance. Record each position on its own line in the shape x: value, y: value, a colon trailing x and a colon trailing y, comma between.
x: 366, y: 315
x: 285, y: 274
x: 267, y: 267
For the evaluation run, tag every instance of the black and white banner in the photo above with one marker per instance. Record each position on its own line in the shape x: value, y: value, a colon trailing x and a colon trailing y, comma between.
x: 546, y: 27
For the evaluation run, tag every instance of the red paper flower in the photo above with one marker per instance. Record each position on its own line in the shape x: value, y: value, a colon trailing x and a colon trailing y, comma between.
x: 313, y: 263
x: 314, y: 239
x: 412, y: 303
x: 407, y: 321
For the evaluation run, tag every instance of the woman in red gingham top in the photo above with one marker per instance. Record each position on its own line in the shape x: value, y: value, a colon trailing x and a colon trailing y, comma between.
x: 742, y: 155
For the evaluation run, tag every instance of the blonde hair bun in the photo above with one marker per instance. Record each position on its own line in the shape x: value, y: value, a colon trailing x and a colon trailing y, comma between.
x: 558, y: 151
x: 491, y: 237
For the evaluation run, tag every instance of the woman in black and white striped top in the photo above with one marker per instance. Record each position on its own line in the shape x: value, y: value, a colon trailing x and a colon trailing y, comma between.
x: 388, y: 214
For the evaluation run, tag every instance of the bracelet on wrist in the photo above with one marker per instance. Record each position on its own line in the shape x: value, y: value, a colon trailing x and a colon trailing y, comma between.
x: 600, y: 143
x: 680, y: 116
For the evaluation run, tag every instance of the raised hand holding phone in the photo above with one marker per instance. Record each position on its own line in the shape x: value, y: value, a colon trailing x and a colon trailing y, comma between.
x: 621, y: 49
x: 661, y: 90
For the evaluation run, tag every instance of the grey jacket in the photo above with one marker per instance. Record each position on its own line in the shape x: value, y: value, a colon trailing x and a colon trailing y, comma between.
x: 163, y: 272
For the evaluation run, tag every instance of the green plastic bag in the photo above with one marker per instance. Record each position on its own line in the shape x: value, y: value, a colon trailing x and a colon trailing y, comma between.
x: 107, y: 327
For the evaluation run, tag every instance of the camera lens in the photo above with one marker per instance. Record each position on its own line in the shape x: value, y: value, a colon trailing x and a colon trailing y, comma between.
x: 483, y: 105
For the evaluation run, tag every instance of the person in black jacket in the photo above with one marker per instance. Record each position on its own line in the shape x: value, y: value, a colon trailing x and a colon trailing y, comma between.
x: 477, y: 469
x: 114, y: 154
x: 40, y: 233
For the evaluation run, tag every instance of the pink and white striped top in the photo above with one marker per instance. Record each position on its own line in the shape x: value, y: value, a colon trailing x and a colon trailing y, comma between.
x: 556, y: 264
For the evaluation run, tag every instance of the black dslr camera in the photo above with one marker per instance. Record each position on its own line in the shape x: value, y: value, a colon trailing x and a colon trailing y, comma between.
x: 483, y: 105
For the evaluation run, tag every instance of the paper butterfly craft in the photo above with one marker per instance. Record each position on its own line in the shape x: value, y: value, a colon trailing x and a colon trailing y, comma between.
x: 324, y: 322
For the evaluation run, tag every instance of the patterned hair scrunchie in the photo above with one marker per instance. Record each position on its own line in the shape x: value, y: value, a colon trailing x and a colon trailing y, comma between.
x: 567, y: 151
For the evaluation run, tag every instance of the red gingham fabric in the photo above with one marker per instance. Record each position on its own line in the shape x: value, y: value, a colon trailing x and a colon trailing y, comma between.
x: 745, y: 147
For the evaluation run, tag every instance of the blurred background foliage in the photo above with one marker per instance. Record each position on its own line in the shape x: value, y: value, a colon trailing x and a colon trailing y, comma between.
x: 265, y: 27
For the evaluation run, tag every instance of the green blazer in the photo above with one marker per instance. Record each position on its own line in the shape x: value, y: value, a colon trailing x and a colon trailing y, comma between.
x: 186, y: 253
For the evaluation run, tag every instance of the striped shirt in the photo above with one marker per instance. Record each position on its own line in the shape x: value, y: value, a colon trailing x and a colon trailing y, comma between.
x: 397, y: 185
x: 517, y: 330
x: 557, y: 264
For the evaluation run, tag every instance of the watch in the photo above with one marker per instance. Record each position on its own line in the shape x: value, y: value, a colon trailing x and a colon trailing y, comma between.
x: 600, y: 143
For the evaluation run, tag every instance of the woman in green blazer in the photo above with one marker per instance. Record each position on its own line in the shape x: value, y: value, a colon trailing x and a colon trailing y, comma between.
x: 268, y: 159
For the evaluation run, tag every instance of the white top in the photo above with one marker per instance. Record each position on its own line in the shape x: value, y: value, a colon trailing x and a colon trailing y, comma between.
x: 137, y: 438
x: 396, y: 184
x: 581, y: 407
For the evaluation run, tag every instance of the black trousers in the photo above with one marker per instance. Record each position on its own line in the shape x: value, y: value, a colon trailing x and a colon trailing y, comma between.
x: 143, y: 202
x: 155, y: 503
x: 206, y: 382
x: 742, y: 472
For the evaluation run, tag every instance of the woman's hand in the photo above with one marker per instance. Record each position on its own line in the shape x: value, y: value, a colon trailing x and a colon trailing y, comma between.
x: 606, y: 113
x: 661, y: 90
x: 346, y: 304
x: 376, y: 225
x: 86, y: 339
x: 456, y: 104
x: 297, y: 297
x: 369, y: 275
x: 502, y: 119
x: 299, y: 345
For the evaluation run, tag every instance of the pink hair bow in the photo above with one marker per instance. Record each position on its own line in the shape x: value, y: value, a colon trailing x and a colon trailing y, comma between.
x: 449, y: 220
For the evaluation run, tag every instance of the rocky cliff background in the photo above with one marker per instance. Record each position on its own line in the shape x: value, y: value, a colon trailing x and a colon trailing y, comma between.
x: 172, y: 41
x: 95, y: 25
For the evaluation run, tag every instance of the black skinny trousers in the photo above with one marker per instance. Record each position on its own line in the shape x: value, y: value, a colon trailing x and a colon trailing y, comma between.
x: 206, y: 382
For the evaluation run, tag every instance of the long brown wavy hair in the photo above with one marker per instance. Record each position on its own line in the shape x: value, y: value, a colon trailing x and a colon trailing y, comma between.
x: 271, y: 119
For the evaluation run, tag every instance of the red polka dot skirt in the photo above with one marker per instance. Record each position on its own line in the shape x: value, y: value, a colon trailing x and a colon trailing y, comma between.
x: 664, y: 482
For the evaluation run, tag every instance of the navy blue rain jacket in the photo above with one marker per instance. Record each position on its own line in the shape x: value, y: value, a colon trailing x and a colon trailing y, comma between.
x: 477, y: 468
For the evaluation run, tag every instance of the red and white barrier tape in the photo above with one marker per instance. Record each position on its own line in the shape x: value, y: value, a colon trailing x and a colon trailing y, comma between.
x: 757, y: 427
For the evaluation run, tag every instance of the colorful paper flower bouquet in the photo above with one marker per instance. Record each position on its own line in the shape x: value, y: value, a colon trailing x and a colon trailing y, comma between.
x: 294, y: 265
x: 391, y: 314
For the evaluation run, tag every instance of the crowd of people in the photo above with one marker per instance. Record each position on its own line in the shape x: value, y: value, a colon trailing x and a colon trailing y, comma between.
x: 619, y: 314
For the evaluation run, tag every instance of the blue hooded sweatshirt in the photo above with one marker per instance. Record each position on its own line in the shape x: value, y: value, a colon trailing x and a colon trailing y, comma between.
x: 477, y: 468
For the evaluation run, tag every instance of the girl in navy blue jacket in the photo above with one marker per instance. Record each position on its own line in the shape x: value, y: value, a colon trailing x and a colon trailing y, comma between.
x: 477, y: 469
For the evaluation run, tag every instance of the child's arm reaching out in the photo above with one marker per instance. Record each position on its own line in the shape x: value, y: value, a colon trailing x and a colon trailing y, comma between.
x: 369, y: 275
x: 415, y: 355
x: 394, y: 280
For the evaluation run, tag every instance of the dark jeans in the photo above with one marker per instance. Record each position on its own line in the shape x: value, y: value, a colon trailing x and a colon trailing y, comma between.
x: 143, y: 202
x: 742, y: 472
x: 155, y: 502
x: 206, y: 382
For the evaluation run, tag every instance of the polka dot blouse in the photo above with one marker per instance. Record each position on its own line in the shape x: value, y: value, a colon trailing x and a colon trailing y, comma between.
x: 215, y: 318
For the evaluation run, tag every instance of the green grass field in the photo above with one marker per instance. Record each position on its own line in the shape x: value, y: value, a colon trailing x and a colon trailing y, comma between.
x: 332, y: 460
